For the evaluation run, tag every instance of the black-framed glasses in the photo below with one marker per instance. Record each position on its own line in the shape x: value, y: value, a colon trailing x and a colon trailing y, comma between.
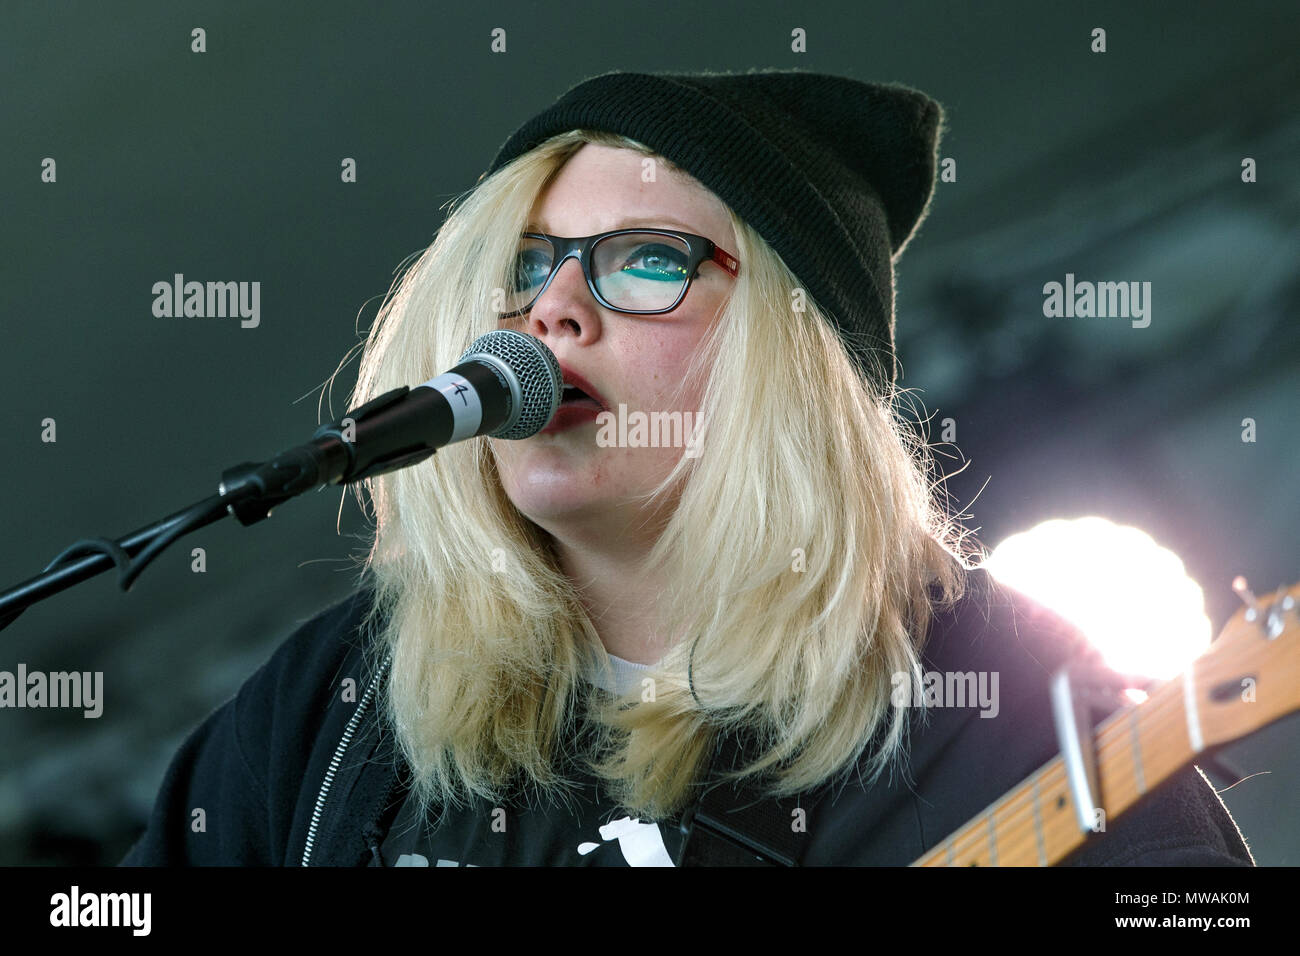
x: 637, y: 271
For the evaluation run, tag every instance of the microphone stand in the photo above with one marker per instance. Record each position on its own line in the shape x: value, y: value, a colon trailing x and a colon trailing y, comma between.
x: 371, y: 440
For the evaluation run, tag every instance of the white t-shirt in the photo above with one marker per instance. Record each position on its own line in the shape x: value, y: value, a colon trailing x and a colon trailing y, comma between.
x: 626, y: 675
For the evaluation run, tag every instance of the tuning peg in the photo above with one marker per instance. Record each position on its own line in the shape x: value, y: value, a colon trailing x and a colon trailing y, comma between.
x: 1247, y: 596
x: 1279, y: 607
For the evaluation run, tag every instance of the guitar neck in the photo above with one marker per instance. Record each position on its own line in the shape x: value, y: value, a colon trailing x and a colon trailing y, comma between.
x: 1035, y: 824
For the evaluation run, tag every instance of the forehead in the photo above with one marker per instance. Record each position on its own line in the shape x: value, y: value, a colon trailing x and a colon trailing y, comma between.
x: 602, y: 188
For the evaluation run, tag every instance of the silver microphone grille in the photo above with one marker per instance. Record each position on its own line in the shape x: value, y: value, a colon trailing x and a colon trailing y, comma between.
x: 541, y: 384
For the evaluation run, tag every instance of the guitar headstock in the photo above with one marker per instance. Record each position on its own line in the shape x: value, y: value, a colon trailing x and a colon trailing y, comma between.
x: 1250, y: 676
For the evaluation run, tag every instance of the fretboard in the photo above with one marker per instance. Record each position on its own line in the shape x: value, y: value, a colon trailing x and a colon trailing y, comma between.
x: 1137, y: 748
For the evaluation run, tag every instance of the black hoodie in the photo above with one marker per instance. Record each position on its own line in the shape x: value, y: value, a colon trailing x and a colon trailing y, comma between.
x: 295, y: 769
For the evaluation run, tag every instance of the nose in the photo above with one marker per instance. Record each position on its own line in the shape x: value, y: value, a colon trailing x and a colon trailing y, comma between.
x: 566, y: 306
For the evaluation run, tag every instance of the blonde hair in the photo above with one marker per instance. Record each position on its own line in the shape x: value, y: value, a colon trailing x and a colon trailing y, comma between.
x: 799, y: 559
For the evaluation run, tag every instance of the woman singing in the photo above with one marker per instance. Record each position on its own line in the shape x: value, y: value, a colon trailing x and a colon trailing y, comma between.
x: 590, y: 646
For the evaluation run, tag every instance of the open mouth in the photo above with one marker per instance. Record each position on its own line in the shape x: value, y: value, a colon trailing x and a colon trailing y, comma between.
x: 572, y: 395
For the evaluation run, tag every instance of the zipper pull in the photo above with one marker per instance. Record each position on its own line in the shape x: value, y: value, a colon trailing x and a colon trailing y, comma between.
x: 374, y: 853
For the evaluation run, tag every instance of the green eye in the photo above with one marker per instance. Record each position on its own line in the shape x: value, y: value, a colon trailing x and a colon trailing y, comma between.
x: 657, y: 261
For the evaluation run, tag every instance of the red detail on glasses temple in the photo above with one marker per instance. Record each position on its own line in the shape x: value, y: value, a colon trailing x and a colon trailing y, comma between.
x: 726, y: 260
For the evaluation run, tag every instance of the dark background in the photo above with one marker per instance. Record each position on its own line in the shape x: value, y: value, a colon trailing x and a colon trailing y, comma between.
x: 225, y: 166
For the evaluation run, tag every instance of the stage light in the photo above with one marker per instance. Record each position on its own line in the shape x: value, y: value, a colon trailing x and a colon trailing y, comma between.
x: 1130, y: 596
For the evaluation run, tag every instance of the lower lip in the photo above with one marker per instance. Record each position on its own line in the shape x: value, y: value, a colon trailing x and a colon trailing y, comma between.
x: 570, y: 416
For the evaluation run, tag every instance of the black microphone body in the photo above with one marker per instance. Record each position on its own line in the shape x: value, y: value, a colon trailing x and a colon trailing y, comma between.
x: 507, y: 384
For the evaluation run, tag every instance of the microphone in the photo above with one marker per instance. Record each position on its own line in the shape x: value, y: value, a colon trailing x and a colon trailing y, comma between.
x: 506, y: 385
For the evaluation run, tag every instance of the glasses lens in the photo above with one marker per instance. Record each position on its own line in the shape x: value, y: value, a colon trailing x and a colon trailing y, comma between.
x: 640, y: 271
x: 531, y: 267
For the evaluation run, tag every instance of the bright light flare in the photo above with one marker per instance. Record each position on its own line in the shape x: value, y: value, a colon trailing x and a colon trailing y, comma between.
x: 1130, y: 596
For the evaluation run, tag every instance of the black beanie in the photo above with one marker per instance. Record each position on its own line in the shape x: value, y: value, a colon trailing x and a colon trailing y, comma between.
x: 834, y: 173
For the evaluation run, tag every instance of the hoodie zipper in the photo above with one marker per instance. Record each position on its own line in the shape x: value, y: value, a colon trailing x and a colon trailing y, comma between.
x: 338, y: 758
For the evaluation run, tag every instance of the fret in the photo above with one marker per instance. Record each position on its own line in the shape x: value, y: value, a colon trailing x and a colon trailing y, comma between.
x: 1038, y: 822
x: 1137, y: 751
x: 993, y: 839
x: 1189, y: 705
x: 1159, y: 744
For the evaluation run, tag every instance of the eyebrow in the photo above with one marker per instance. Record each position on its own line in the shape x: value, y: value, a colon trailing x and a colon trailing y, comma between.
x: 633, y: 223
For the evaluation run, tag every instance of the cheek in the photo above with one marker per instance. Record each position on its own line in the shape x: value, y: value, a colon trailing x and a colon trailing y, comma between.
x: 657, y: 370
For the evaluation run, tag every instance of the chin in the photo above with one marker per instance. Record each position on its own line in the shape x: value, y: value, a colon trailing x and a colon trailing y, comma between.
x: 559, y: 521
x: 543, y: 507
